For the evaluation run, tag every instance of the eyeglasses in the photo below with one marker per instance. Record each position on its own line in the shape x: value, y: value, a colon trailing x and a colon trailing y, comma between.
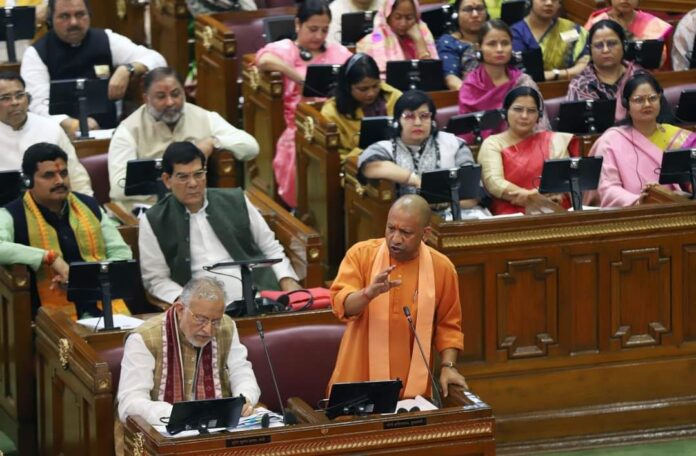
x: 8, y: 98
x: 521, y: 110
x: 183, y: 178
x: 641, y: 99
x: 410, y: 116
x: 470, y: 9
x: 203, y: 321
x: 610, y: 44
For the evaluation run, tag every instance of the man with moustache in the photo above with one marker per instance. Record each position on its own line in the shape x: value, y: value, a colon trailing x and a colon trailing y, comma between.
x: 375, y: 281
x: 190, y: 352
x: 72, y: 49
x: 165, y: 118
x: 20, y: 128
x: 49, y: 227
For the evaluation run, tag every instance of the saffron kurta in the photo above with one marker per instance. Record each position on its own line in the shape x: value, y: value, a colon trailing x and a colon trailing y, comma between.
x: 355, y: 273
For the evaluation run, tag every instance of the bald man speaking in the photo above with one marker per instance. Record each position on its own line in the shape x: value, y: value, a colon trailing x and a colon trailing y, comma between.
x: 376, y: 280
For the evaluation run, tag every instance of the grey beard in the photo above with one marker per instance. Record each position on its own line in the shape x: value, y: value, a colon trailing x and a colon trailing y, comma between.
x: 168, y: 117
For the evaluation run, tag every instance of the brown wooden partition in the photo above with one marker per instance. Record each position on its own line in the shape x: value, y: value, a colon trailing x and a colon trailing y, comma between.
x: 126, y: 17
x: 169, y: 27
x: 219, y: 59
x: 263, y: 119
x: 579, y: 327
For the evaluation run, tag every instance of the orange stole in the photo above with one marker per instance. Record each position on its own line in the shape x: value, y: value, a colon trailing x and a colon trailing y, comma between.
x: 379, y: 308
x: 87, y: 231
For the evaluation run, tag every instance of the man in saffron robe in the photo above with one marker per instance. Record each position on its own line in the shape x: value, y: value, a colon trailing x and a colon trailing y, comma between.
x: 376, y: 280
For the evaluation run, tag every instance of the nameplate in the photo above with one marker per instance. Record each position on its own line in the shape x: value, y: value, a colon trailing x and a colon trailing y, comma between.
x: 405, y: 423
x: 244, y: 441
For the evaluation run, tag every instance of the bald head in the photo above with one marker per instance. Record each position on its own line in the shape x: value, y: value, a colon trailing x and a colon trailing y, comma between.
x: 407, y: 224
x: 414, y: 205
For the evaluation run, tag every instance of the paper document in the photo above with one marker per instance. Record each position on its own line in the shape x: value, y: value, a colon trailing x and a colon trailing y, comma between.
x: 120, y: 321
x: 419, y: 401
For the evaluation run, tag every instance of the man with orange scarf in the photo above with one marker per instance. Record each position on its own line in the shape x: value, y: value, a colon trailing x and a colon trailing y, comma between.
x: 49, y: 227
x: 376, y: 280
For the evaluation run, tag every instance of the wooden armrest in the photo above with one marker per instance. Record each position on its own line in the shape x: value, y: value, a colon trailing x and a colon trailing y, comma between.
x: 305, y: 413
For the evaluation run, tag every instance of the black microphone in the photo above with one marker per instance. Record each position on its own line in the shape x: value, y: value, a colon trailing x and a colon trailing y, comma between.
x: 437, y: 396
x: 288, y: 417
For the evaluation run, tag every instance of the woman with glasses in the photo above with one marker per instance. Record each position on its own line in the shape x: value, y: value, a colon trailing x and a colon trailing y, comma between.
x: 417, y: 146
x: 607, y: 73
x: 359, y: 93
x: 398, y: 34
x: 638, y: 25
x: 457, y: 50
x: 511, y: 162
x: 563, y: 43
x: 633, y: 151
x: 484, y: 88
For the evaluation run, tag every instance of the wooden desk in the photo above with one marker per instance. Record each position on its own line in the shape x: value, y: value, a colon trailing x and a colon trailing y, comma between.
x: 463, y: 430
x: 89, y: 147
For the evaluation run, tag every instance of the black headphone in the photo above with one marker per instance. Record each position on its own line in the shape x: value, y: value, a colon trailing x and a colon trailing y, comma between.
x: 27, y: 180
x: 306, y: 54
x: 353, y: 60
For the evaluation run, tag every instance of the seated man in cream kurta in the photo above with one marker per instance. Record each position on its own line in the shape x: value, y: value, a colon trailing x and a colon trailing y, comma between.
x: 164, y: 118
x: 190, y: 352
x: 375, y: 281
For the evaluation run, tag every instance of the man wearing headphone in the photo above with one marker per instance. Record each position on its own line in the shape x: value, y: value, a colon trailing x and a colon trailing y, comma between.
x: 49, y: 227
x: 20, y: 128
x: 72, y: 49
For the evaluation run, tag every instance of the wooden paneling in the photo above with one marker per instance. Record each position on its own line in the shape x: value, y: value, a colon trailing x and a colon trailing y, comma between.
x: 689, y: 287
x: 169, y: 27
x: 126, y: 17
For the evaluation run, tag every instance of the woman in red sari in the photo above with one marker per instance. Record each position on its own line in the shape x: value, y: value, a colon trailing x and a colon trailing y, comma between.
x: 511, y: 161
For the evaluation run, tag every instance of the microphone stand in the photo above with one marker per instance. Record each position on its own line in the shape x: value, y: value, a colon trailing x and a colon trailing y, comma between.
x: 437, y: 396
x: 288, y: 417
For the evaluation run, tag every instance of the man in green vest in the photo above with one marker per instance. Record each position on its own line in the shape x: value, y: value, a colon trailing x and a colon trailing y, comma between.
x: 195, y: 226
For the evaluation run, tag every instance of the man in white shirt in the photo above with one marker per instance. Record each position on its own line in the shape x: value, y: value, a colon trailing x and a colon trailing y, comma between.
x: 20, y: 129
x: 74, y: 50
x: 684, y: 42
x: 190, y: 352
x: 164, y: 118
x: 195, y: 227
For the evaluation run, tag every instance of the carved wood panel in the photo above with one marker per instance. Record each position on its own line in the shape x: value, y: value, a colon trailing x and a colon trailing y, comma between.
x: 582, y: 295
x: 640, y: 298
x: 472, y: 299
x: 689, y: 292
x: 527, y: 308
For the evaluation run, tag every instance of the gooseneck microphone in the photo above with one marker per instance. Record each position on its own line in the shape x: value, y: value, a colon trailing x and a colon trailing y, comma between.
x: 437, y: 397
x: 288, y: 417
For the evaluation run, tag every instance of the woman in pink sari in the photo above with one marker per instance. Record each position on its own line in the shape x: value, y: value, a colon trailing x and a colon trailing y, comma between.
x: 638, y: 25
x: 292, y: 58
x: 633, y: 152
x: 398, y: 34
x: 484, y: 88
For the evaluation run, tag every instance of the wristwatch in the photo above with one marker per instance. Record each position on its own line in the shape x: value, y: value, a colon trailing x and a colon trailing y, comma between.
x: 447, y: 364
x: 556, y: 74
x: 131, y: 68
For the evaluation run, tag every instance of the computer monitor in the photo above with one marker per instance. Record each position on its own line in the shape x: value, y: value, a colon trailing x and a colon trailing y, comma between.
x: 144, y: 177
x: 512, y: 11
x: 278, y: 28
x: 10, y: 186
x: 425, y: 75
x: 646, y: 53
x: 679, y: 167
x: 16, y: 23
x: 80, y: 98
x: 356, y: 25
x: 571, y: 175
x: 374, y: 129
x: 588, y: 116
x: 686, y: 110
x: 475, y: 123
x: 532, y: 63
x: 438, y: 18
x: 361, y: 398
x: 320, y: 80
x: 451, y: 186
x: 205, y: 414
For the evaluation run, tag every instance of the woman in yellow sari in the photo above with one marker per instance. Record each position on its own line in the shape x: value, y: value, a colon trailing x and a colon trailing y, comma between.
x: 359, y: 94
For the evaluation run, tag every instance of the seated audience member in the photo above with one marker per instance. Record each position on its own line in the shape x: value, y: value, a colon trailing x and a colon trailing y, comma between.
x: 22, y: 45
x: 512, y: 161
x: 50, y: 226
x: 20, y: 128
x: 292, y: 58
x: 638, y: 25
x: 398, y: 34
x: 417, y: 146
x: 340, y: 7
x: 607, y: 73
x: 189, y: 352
x: 195, y: 227
x: 485, y: 88
x: 633, y: 151
x: 457, y: 50
x: 563, y: 43
x: 684, y: 43
x: 376, y: 280
x: 73, y: 49
x: 164, y: 118
x: 359, y: 94
x: 494, y: 8
x: 198, y: 7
